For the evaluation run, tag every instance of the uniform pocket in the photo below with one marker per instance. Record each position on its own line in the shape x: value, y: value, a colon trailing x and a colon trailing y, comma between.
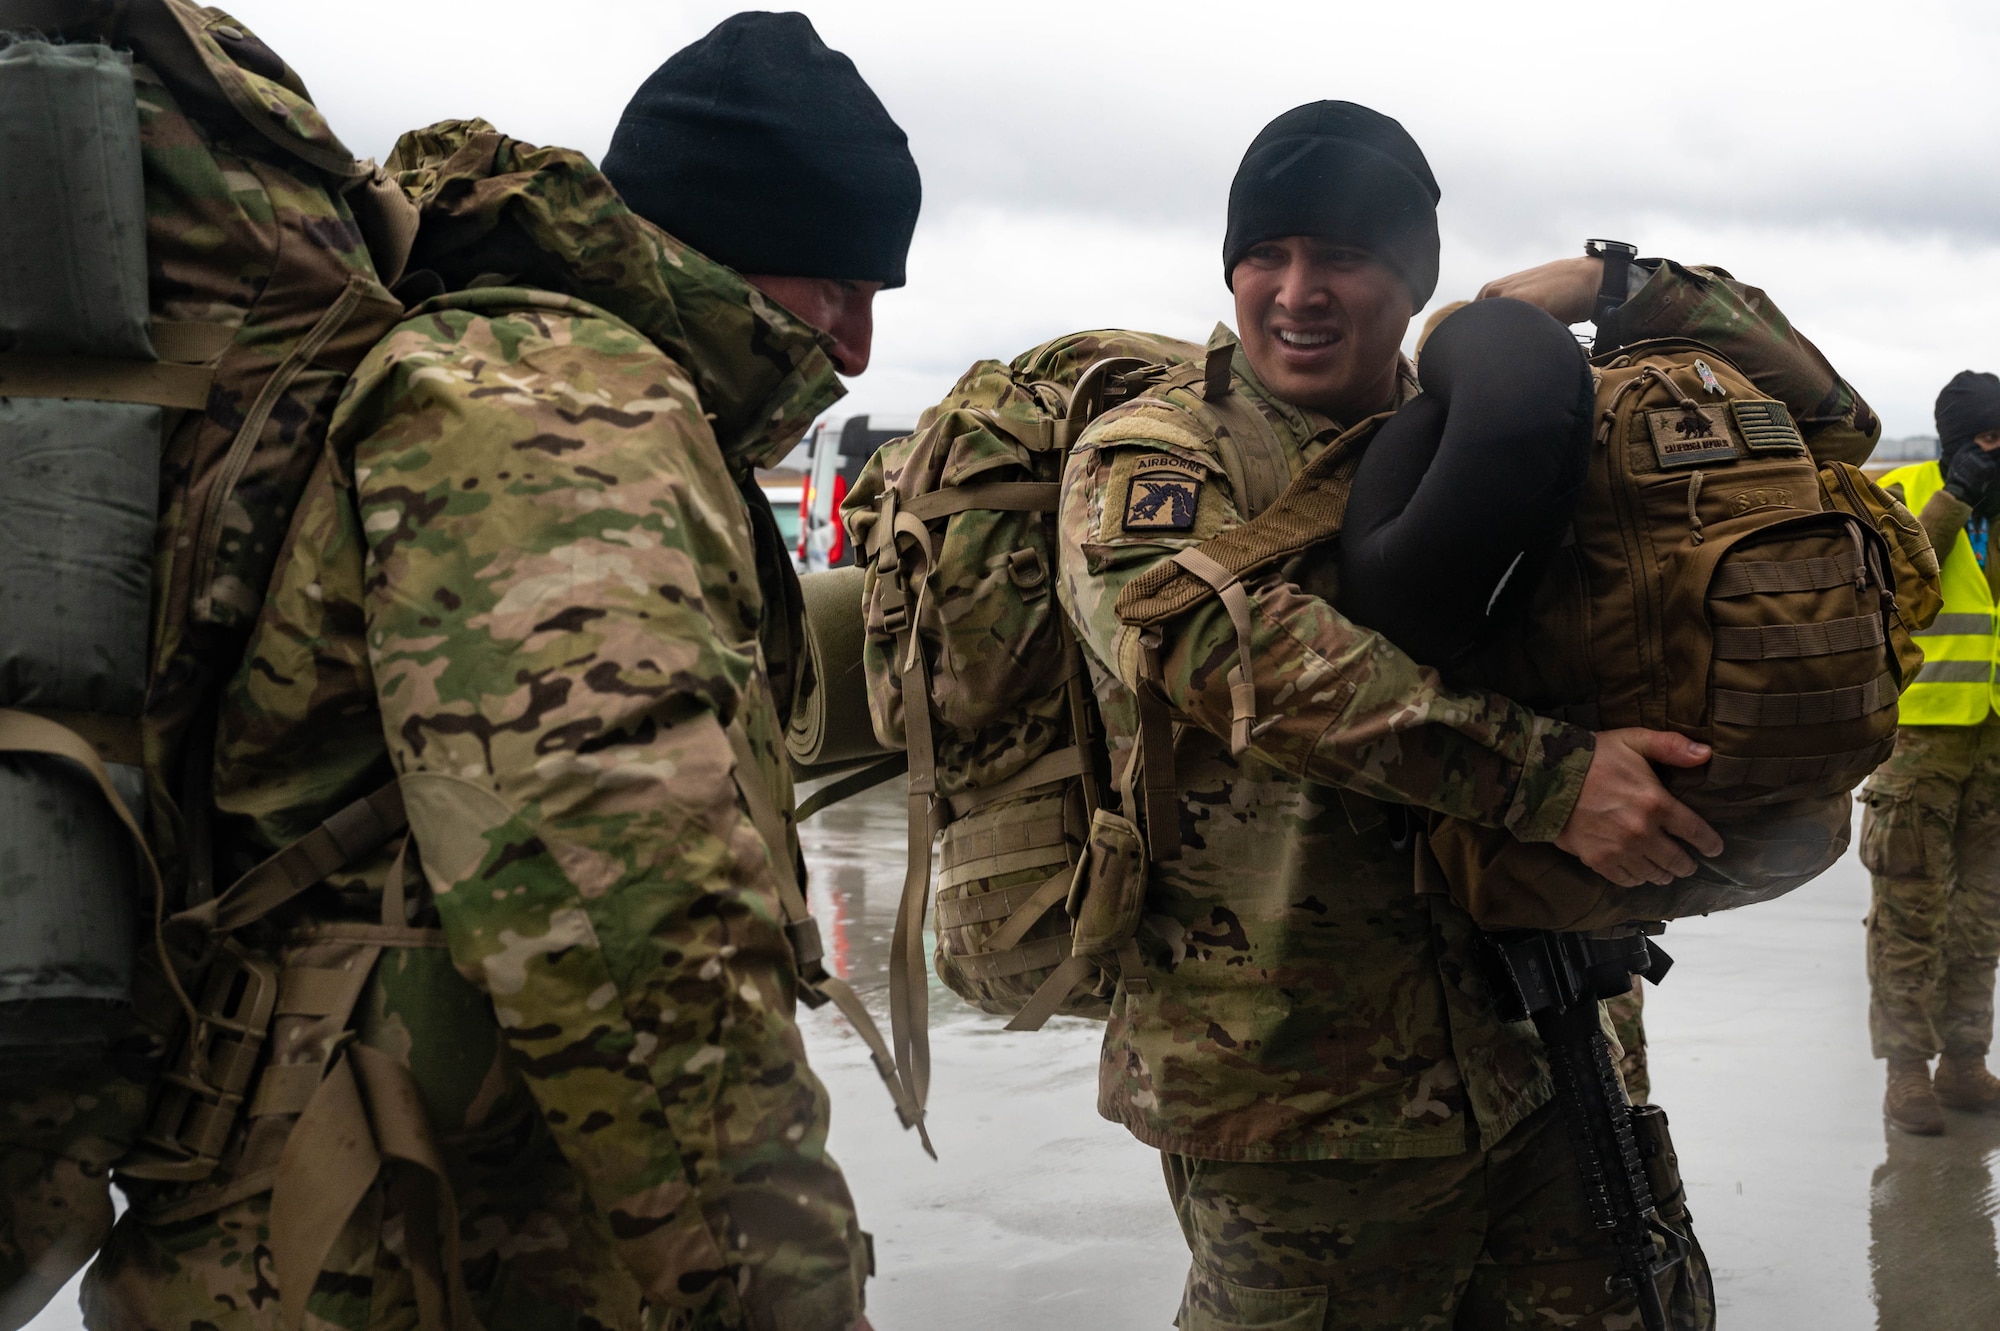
x: 1220, y: 1305
x: 1892, y: 829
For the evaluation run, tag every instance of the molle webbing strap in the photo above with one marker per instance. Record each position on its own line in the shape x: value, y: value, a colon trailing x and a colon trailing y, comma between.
x: 1772, y: 642
x: 1242, y: 684
x: 345, y: 838
x: 1726, y: 772
x: 1045, y: 770
x: 1053, y: 891
x: 986, y: 907
x: 803, y: 931
x: 1032, y: 837
x: 1001, y: 965
x: 1763, y: 577
x: 1308, y: 512
x: 1054, y: 991
x: 992, y: 497
x: 853, y: 783
x: 1733, y: 707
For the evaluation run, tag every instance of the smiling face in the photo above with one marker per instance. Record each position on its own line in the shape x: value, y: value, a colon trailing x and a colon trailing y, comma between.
x: 1322, y: 324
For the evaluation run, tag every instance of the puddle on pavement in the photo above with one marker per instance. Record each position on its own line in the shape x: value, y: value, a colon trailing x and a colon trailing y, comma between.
x: 1041, y: 1215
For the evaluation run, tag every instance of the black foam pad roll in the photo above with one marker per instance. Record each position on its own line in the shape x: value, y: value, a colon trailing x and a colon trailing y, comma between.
x: 1463, y: 493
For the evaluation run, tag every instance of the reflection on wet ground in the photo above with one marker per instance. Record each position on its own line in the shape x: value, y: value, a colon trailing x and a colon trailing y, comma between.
x: 1041, y: 1215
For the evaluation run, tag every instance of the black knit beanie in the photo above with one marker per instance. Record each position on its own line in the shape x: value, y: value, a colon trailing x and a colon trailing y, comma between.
x: 1969, y: 405
x: 767, y: 151
x: 1343, y: 172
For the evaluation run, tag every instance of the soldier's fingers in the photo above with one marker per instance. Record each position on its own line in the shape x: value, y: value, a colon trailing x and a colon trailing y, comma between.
x: 1679, y: 821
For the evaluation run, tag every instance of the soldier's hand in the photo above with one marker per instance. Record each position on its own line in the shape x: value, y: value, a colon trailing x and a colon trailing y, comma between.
x: 1566, y: 288
x: 862, y: 1325
x: 1626, y: 826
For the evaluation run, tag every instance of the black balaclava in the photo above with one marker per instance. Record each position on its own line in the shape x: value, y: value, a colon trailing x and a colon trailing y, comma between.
x: 1968, y: 405
x: 1344, y: 172
x: 767, y: 151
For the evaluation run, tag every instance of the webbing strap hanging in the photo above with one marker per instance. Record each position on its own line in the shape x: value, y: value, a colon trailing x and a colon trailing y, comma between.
x: 1242, y: 684
x: 24, y: 732
x: 803, y: 931
x: 348, y: 835
x: 366, y: 1112
x: 852, y: 784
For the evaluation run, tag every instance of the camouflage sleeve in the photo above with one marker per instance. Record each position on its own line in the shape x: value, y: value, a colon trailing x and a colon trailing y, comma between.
x: 1336, y: 703
x: 562, y: 618
x: 1708, y: 305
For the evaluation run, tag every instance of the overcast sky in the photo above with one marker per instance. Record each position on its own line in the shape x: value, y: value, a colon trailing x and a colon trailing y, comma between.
x: 1076, y: 156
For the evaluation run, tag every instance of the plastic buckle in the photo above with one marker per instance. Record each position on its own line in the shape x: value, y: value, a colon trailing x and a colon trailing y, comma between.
x: 192, y: 1115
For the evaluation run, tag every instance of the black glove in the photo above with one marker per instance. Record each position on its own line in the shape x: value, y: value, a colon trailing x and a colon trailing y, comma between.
x: 1972, y: 474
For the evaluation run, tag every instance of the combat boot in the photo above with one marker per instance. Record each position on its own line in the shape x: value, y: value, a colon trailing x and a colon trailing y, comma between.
x: 1964, y: 1083
x: 1911, y: 1104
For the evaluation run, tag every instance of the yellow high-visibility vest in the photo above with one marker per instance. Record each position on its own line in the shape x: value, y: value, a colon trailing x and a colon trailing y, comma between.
x: 1956, y: 686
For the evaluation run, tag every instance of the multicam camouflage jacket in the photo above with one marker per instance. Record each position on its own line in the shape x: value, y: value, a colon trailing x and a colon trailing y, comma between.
x: 524, y: 580
x: 1304, y: 1002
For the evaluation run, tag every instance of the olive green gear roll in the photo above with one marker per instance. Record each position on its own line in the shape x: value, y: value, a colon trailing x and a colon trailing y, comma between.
x: 830, y: 726
x: 79, y: 486
x: 72, y: 203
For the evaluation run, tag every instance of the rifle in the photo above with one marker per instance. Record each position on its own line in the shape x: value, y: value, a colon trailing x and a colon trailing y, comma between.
x: 1631, y: 1179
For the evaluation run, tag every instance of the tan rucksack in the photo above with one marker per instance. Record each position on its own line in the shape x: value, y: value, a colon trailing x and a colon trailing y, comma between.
x: 229, y: 272
x: 955, y: 526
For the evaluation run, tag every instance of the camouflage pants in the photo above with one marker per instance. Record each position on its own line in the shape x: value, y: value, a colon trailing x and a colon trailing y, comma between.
x: 1930, y: 835
x: 536, y: 1258
x: 1628, y: 1022
x: 1476, y: 1242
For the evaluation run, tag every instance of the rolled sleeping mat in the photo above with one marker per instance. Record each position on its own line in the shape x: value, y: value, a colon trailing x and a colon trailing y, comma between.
x: 1473, y: 481
x: 72, y: 203
x: 830, y: 726
x: 79, y: 484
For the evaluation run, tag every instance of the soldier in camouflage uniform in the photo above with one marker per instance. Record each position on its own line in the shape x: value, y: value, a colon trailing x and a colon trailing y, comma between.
x: 534, y: 579
x: 1930, y: 832
x: 1351, y: 1138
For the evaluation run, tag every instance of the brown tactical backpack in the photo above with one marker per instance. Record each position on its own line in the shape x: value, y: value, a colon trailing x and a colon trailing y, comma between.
x: 254, y: 283
x: 1718, y: 582
x: 1722, y: 584
x: 955, y: 527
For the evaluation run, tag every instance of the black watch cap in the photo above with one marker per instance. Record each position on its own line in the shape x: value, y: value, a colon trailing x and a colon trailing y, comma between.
x: 1343, y: 172
x: 766, y: 150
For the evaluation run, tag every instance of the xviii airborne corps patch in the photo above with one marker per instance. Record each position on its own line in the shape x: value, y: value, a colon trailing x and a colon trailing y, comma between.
x: 1164, y: 496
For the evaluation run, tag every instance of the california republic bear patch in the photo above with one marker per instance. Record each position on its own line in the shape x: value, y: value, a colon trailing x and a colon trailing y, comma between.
x: 1164, y: 495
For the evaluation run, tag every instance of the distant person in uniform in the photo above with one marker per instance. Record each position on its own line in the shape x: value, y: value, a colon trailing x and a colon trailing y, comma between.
x: 1931, y: 831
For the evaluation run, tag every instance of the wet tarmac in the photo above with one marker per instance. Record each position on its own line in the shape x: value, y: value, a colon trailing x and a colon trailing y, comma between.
x: 1041, y: 1215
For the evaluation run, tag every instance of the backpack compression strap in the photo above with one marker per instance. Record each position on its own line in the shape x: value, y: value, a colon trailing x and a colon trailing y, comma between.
x: 816, y: 984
